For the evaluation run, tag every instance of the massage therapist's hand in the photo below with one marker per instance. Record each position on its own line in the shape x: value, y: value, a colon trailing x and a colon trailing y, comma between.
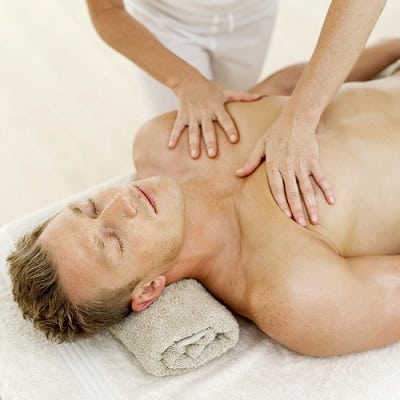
x: 291, y: 158
x: 200, y: 103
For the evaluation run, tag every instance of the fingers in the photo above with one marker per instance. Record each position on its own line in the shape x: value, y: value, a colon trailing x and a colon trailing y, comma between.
x: 289, y: 192
x: 277, y: 188
x: 200, y: 103
x: 209, y: 137
x: 194, y: 139
x: 203, y: 128
x: 307, y: 192
x: 284, y: 186
x: 296, y: 187
x: 323, y: 183
x: 208, y: 129
x: 294, y: 199
x: 254, y: 160
x: 225, y: 120
x: 179, y: 125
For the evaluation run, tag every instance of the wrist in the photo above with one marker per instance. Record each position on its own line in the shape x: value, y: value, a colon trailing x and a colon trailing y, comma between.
x: 302, y: 116
x: 186, y: 74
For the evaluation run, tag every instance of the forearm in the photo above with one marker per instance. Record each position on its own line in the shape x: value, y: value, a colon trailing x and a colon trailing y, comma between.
x: 336, y: 52
x: 371, y: 62
x: 289, y: 146
x: 131, y: 39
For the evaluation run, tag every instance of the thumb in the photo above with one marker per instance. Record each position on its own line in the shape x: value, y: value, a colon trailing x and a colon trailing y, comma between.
x: 231, y: 95
x: 253, y: 161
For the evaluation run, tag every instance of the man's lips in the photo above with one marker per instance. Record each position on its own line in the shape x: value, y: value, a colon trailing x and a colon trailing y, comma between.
x: 148, y: 196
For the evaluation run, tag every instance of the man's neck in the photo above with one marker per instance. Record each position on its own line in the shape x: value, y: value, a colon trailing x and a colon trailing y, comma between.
x: 211, y: 248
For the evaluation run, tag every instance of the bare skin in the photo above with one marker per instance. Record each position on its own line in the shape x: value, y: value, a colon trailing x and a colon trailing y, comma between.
x: 324, y: 289
x: 321, y: 290
x: 201, y: 101
x: 289, y: 144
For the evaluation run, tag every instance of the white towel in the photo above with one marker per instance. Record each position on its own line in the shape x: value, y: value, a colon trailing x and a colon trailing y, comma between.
x: 390, y: 70
x: 182, y: 330
x: 102, y: 368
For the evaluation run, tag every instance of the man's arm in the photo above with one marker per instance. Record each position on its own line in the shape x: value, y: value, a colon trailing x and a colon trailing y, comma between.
x: 332, y: 305
x: 371, y: 62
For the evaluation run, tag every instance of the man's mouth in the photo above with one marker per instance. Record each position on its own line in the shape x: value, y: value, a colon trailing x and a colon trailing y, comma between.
x: 148, y: 196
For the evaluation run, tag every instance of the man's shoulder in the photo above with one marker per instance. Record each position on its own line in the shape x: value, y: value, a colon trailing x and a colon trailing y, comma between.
x: 151, y: 154
x: 153, y: 132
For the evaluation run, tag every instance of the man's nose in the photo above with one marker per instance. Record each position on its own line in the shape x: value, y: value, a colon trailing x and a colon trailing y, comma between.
x: 118, y: 207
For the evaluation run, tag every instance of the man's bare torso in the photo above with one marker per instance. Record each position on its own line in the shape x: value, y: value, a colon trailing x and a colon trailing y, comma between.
x: 359, y: 144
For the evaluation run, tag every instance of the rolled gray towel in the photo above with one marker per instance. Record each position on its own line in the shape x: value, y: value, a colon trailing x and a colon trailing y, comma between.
x: 182, y: 330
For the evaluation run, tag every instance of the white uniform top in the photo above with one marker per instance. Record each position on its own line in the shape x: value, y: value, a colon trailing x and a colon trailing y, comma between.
x: 225, y: 40
x: 203, y: 17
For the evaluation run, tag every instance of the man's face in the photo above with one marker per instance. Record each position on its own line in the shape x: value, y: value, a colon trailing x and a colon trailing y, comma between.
x: 118, y: 235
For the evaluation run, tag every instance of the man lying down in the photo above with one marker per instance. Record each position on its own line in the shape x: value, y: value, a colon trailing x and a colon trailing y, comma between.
x: 321, y: 290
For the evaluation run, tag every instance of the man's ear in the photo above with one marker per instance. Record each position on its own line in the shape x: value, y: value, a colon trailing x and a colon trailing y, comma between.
x: 143, y: 296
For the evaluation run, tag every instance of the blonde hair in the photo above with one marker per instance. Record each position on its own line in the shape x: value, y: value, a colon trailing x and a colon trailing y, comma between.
x: 37, y: 290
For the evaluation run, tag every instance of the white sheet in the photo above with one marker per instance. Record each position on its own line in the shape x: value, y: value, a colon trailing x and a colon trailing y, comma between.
x: 101, y: 368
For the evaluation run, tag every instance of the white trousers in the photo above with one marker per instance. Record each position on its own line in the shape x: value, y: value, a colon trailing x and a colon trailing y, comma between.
x: 232, y: 52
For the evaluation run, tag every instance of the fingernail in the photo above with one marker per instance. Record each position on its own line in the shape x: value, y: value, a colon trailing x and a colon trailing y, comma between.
x: 239, y: 171
x: 331, y: 200
x: 314, y: 218
x: 288, y: 213
x: 302, y: 221
x: 170, y: 143
x: 233, y: 137
x: 194, y: 153
x: 211, y: 152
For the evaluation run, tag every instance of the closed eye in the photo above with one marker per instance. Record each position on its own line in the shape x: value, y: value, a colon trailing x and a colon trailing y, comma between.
x: 94, y: 207
x: 112, y: 233
x: 120, y: 243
